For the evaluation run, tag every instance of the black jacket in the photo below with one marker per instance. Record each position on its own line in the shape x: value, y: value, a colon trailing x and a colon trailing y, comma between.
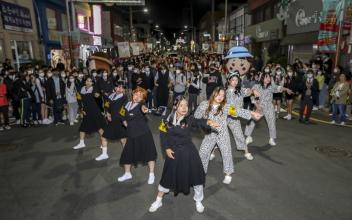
x: 51, y: 91
x: 315, y: 89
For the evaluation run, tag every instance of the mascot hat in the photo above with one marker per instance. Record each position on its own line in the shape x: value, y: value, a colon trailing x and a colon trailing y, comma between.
x: 238, y: 52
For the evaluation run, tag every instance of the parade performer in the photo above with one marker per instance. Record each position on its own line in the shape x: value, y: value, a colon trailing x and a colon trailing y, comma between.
x: 183, y: 167
x: 216, y: 109
x: 115, y: 114
x: 93, y: 120
x: 140, y: 147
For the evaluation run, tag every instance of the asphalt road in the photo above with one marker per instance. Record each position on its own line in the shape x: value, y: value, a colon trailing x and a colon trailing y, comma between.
x: 42, y: 177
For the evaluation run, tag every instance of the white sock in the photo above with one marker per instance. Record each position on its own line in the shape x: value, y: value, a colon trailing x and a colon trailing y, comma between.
x: 159, y: 199
x: 81, y: 142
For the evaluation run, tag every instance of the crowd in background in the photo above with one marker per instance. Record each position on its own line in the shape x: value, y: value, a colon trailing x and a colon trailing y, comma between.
x: 37, y: 95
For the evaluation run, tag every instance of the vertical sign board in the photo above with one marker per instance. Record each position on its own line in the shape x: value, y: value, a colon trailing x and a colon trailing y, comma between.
x: 15, y: 17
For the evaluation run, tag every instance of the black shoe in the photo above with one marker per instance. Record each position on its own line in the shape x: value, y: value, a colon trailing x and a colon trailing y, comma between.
x: 300, y: 120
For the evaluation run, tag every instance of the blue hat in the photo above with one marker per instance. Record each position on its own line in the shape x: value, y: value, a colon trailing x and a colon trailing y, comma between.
x: 238, y: 52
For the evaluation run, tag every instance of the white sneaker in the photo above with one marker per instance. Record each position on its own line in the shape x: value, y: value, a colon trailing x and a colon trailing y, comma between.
x: 75, y: 121
x: 7, y: 127
x: 272, y: 142
x: 212, y: 156
x: 249, y: 140
x: 288, y: 117
x: 227, y: 179
x: 124, y: 177
x: 35, y: 122
x: 18, y: 122
x: 315, y: 108
x: 282, y: 110
x: 199, y: 207
x: 79, y: 146
x: 333, y: 122
x: 1, y: 129
x: 151, y: 178
x: 342, y: 123
x: 248, y: 156
x: 155, y: 205
x: 102, y: 157
x: 71, y: 124
x: 64, y: 117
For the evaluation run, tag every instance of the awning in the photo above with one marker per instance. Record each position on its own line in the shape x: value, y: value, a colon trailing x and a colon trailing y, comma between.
x: 304, y: 38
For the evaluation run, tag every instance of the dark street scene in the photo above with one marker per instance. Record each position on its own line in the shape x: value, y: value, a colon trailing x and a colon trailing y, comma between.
x: 188, y: 109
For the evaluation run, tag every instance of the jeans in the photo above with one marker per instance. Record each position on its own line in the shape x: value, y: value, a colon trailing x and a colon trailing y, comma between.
x: 5, y: 114
x: 25, y: 110
x: 339, y: 112
x: 72, y: 111
x: 149, y: 100
x: 36, y: 113
x: 58, y: 108
x: 322, y: 95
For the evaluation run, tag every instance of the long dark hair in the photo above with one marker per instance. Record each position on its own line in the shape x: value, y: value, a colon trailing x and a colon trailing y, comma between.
x: 170, y: 118
x: 238, y: 86
x: 211, y: 100
x: 262, y: 80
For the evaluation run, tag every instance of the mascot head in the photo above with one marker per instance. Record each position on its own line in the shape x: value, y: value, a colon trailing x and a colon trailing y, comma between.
x: 237, y: 60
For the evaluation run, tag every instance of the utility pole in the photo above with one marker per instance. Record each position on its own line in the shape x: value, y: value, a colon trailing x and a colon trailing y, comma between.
x: 69, y: 31
x: 212, y: 20
x: 131, y: 23
x: 225, y: 22
x: 339, y: 34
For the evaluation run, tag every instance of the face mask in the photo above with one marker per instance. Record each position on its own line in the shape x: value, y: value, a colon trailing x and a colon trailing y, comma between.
x: 171, y: 65
x: 94, y: 74
x: 289, y: 73
x: 130, y: 68
x: 147, y: 69
x: 267, y: 70
x: 335, y: 70
x: 80, y: 76
x: 314, y: 66
x: 63, y: 75
x: 12, y: 77
x: 319, y: 73
x: 163, y: 71
x: 178, y: 71
x: 49, y: 74
x: 279, y: 72
x: 105, y: 74
x: 114, y: 73
x: 41, y: 74
x: 72, y: 80
x: 309, y: 76
x: 199, y: 67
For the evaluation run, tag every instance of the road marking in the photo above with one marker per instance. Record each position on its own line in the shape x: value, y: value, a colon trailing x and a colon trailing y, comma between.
x: 322, y: 121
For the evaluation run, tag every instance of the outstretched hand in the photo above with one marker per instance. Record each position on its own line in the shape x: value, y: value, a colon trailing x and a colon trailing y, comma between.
x: 170, y: 153
x: 256, y: 115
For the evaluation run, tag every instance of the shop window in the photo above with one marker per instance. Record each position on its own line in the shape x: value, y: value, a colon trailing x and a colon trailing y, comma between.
x: 21, y: 52
x: 51, y: 18
x: 82, y: 22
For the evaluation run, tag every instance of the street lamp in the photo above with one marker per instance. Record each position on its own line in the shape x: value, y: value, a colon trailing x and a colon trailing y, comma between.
x: 185, y: 26
x: 145, y: 10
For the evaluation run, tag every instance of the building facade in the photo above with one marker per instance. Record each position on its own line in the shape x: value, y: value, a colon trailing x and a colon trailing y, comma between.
x: 19, y: 39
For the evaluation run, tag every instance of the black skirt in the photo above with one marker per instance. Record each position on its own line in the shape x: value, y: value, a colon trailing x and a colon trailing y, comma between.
x: 115, y: 131
x: 277, y: 96
x: 140, y: 149
x: 183, y: 172
x: 92, y: 123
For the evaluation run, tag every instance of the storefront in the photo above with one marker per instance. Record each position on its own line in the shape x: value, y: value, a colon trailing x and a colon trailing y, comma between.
x: 265, y: 39
x: 302, y: 29
x: 18, y: 30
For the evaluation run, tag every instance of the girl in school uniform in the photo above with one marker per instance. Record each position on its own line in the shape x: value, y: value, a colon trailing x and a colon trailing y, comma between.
x: 183, y: 168
x: 115, y: 130
x: 93, y: 120
x: 218, y: 110
x: 140, y: 147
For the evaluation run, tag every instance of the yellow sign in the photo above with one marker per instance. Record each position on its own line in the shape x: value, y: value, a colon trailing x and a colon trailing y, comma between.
x: 78, y: 96
x: 232, y: 111
x: 106, y: 104
x: 162, y: 127
x: 122, y: 111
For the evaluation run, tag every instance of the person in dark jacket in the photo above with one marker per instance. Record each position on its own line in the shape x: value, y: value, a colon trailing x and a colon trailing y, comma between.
x: 212, y: 80
x: 25, y: 95
x: 149, y: 84
x: 56, y: 96
x: 60, y: 66
x: 309, y: 90
x: 140, y: 146
x: 183, y: 168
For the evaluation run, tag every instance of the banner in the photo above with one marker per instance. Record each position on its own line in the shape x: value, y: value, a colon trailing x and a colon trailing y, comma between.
x: 123, y: 49
x: 135, y: 48
x: 205, y: 47
x: 15, y: 17
x: 149, y: 47
x: 328, y: 30
x: 219, y: 47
